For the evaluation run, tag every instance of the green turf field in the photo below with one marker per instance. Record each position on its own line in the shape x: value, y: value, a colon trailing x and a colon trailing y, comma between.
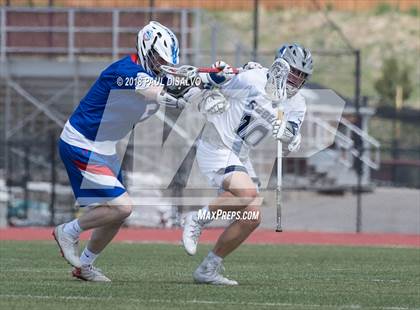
x: 151, y: 276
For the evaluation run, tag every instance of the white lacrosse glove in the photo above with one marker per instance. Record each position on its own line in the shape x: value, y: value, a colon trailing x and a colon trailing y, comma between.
x: 192, y: 94
x: 190, y: 97
x: 213, y: 102
x: 166, y: 99
x: 225, y: 74
x: 252, y: 65
x: 295, y: 144
x: 287, y: 133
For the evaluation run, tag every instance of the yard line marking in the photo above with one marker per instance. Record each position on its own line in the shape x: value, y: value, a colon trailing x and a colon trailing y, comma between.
x: 197, y: 301
x: 386, y: 280
x: 35, y: 270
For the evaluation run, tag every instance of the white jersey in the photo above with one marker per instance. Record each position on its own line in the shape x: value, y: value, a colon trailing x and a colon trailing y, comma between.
x: 248, y: 120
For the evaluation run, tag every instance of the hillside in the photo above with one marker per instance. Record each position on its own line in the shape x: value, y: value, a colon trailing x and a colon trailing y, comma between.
x: 378, y: 35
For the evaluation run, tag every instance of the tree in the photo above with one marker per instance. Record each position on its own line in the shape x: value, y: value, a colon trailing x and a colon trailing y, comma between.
x: 393, y: 76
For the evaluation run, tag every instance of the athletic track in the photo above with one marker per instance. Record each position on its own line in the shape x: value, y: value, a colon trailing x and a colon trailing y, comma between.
x: 261, y: 236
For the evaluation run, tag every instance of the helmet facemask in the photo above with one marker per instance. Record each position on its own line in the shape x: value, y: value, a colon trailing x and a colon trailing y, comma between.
x: 155, y: 61
x: 295, y: 81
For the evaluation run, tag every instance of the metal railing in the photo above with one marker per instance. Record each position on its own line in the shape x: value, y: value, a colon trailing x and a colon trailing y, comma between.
x: 370, y: 144
x: 344, y: 141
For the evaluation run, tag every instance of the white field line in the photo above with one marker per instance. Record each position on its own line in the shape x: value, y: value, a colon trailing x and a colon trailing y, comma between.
x: 66, y: 270
x: 197, y: 301
x: 34, y: 270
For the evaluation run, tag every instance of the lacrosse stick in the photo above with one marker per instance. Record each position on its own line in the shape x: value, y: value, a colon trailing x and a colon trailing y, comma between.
x: 191, y: 71
x: 279, y: 71
x: 279, y: 175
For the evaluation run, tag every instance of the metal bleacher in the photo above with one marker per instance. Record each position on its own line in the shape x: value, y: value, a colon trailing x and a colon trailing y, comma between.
x: 49, y: 57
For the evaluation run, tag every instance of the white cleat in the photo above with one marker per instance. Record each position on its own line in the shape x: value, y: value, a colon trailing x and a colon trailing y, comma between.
x: 210, y: 273
x: 90, y: 273
x: 69, y: 246
x: 191, y: 233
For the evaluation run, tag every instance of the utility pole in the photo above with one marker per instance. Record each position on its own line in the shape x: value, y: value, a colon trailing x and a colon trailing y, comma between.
x: 358, y: 165
x: 151, y: 7
x: 358, y: 143
x: 255, y: 32
x: 50, y: 24
x: 53, y: 157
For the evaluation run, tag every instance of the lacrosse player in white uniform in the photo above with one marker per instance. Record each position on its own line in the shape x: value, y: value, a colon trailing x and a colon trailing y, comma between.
x: 222, y: 155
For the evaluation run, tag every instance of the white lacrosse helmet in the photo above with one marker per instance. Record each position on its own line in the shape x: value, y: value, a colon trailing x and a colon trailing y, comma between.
x: 156, y: 46
x: 300, y: 61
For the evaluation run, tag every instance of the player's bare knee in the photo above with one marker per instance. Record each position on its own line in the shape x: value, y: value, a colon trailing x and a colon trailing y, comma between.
x: 247, y: 196
x: 122, y: 207
x: 123, y: 211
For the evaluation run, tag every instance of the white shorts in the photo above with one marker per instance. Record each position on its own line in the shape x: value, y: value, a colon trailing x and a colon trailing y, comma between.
x: 217, y: 163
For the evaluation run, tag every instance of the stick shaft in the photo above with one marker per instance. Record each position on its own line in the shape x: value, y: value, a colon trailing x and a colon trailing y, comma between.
x: 279, y: 186
x: 279, y: 178
x: 216, y: 70
x: 190, y: 71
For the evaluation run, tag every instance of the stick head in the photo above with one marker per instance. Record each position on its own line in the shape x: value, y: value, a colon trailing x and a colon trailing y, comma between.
x: 279, y: 230
x: 275, y: 87
x: 183, y: 71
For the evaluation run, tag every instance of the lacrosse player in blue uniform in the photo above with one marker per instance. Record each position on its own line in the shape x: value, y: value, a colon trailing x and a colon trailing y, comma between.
x: 127, y: 92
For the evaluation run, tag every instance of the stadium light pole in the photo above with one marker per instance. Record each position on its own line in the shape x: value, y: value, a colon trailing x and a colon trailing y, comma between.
x: 255, y: 32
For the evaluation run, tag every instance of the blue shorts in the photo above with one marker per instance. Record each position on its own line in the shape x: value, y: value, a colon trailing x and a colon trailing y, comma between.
x: 95, y: 178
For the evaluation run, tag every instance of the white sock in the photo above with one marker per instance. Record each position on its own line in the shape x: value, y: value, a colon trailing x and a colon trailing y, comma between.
x: 204, y: 211
x: 72, y: 228
x: 214, y: 258
x: 87, y: 258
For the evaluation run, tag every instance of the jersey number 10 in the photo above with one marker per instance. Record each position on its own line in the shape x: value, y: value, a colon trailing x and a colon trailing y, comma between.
x: 251, y: 129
